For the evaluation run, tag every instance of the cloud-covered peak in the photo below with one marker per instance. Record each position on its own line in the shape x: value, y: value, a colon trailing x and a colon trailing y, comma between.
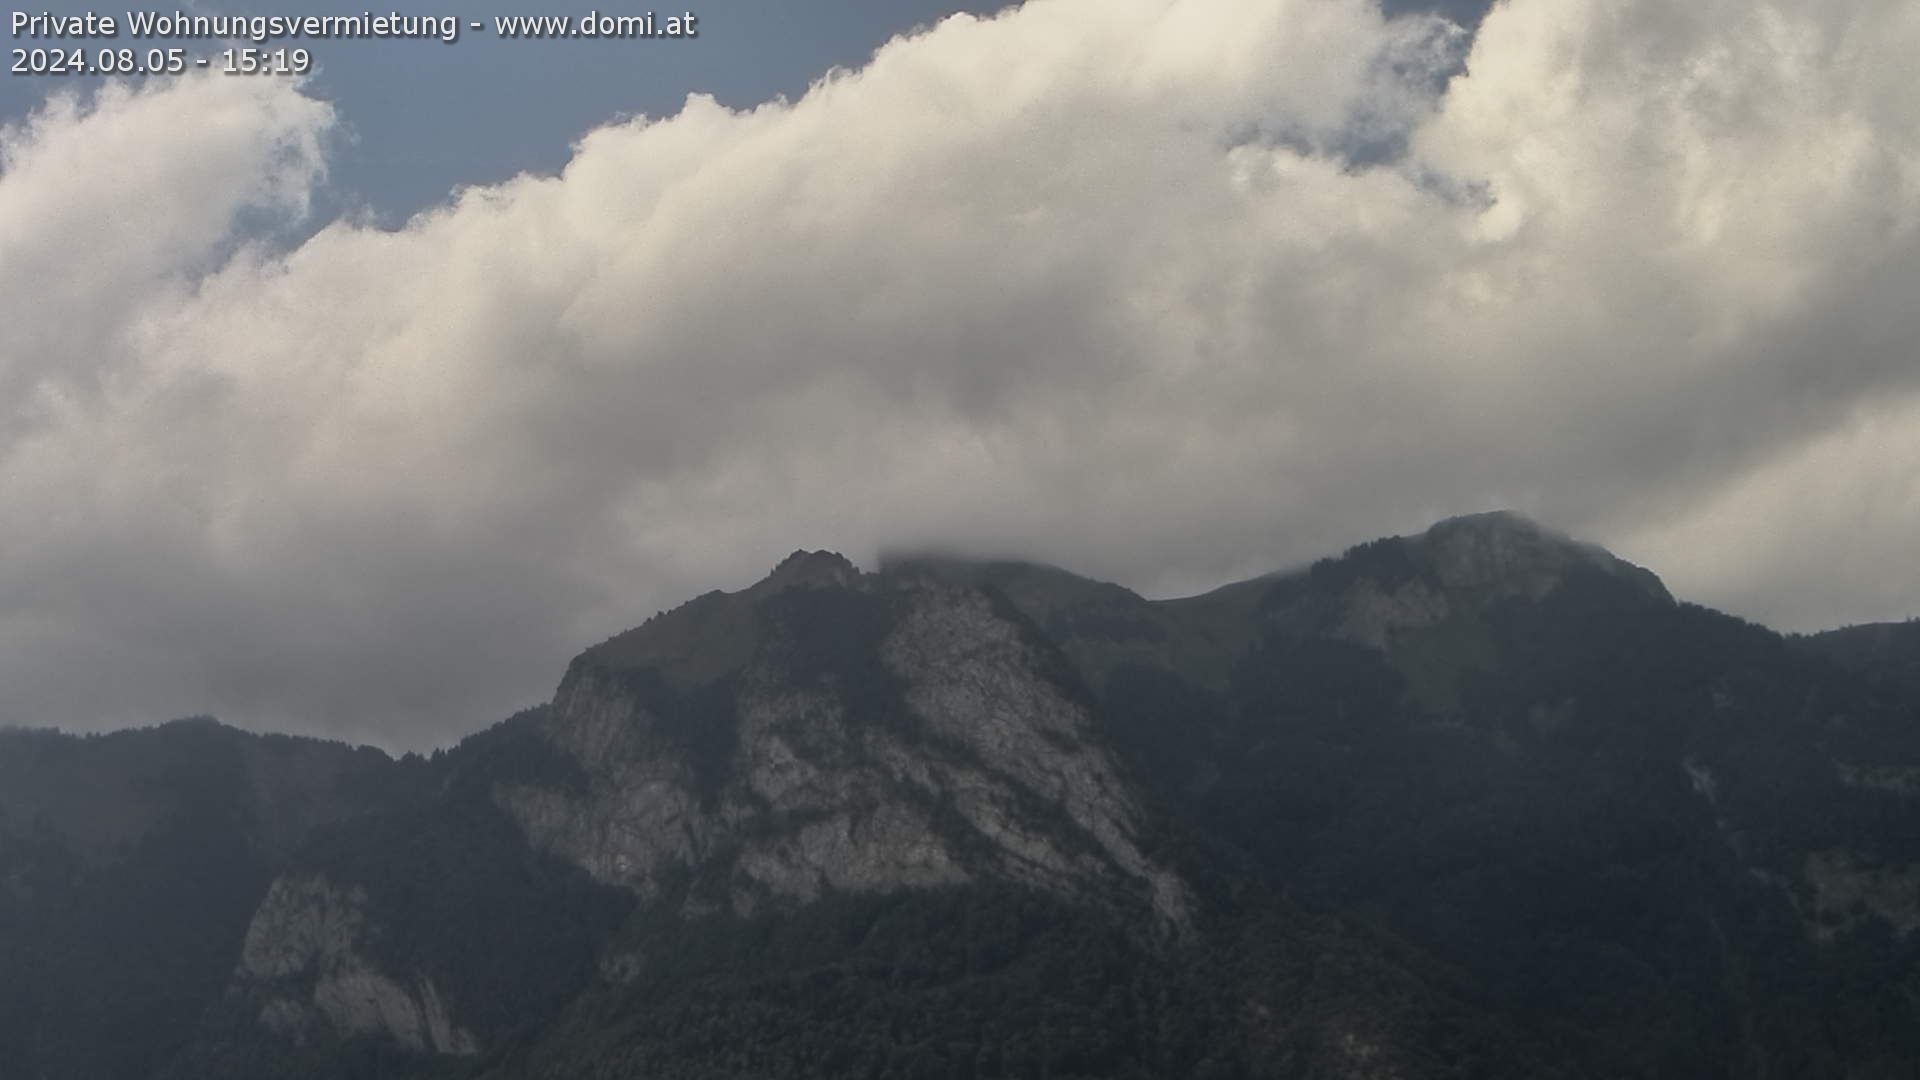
x: 1501, y: 549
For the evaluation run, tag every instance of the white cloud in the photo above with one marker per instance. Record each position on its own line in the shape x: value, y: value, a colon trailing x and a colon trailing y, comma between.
x: 1091, y: 282
x: 1819, y: 535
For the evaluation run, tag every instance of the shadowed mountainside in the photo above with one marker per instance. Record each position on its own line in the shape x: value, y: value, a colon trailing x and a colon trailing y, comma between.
x: 1483, y: 801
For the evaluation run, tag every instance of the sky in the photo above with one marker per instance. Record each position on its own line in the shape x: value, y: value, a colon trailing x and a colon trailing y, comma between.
x: 416, y: 120
x: 355, y: 406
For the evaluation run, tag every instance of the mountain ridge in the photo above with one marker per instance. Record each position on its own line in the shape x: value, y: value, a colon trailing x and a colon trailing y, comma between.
x: 1484, y: 800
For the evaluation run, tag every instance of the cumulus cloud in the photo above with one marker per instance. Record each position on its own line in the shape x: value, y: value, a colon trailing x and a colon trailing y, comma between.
x: 1121, y: 284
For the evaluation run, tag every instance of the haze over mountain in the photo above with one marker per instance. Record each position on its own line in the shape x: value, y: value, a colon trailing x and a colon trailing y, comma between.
x: 1483, y: 801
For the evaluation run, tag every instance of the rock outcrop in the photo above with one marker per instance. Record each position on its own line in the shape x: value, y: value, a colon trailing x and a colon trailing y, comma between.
x: 305, y: 963
x: 829, y: 730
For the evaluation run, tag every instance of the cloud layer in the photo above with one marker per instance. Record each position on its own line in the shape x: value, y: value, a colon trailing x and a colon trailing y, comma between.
x: 1121, y: 284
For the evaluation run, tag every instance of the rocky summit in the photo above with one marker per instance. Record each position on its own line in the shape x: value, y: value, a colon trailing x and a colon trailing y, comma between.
x: 829, y: 731
x: 1484, y: 801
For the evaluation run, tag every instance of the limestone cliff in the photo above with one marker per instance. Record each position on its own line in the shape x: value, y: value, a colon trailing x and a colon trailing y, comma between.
x: 831, y: 730
x: 305, y: 964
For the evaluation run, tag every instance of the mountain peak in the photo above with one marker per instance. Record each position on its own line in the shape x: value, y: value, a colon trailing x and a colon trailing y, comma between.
x: 1508, y: 552
x: 1492, y: 521
x: 1386, y: 592
x: 812, y: 569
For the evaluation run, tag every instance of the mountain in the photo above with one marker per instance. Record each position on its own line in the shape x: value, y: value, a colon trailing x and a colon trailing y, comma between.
x: 130, y: 865
x: 1885, y: 653
x: 1485, y: 801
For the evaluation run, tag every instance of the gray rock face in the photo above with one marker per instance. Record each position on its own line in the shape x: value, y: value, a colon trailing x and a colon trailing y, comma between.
x: 304, y: 960
x: 974, y: 680
x: 978, y: 764
x: 640, y: 814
